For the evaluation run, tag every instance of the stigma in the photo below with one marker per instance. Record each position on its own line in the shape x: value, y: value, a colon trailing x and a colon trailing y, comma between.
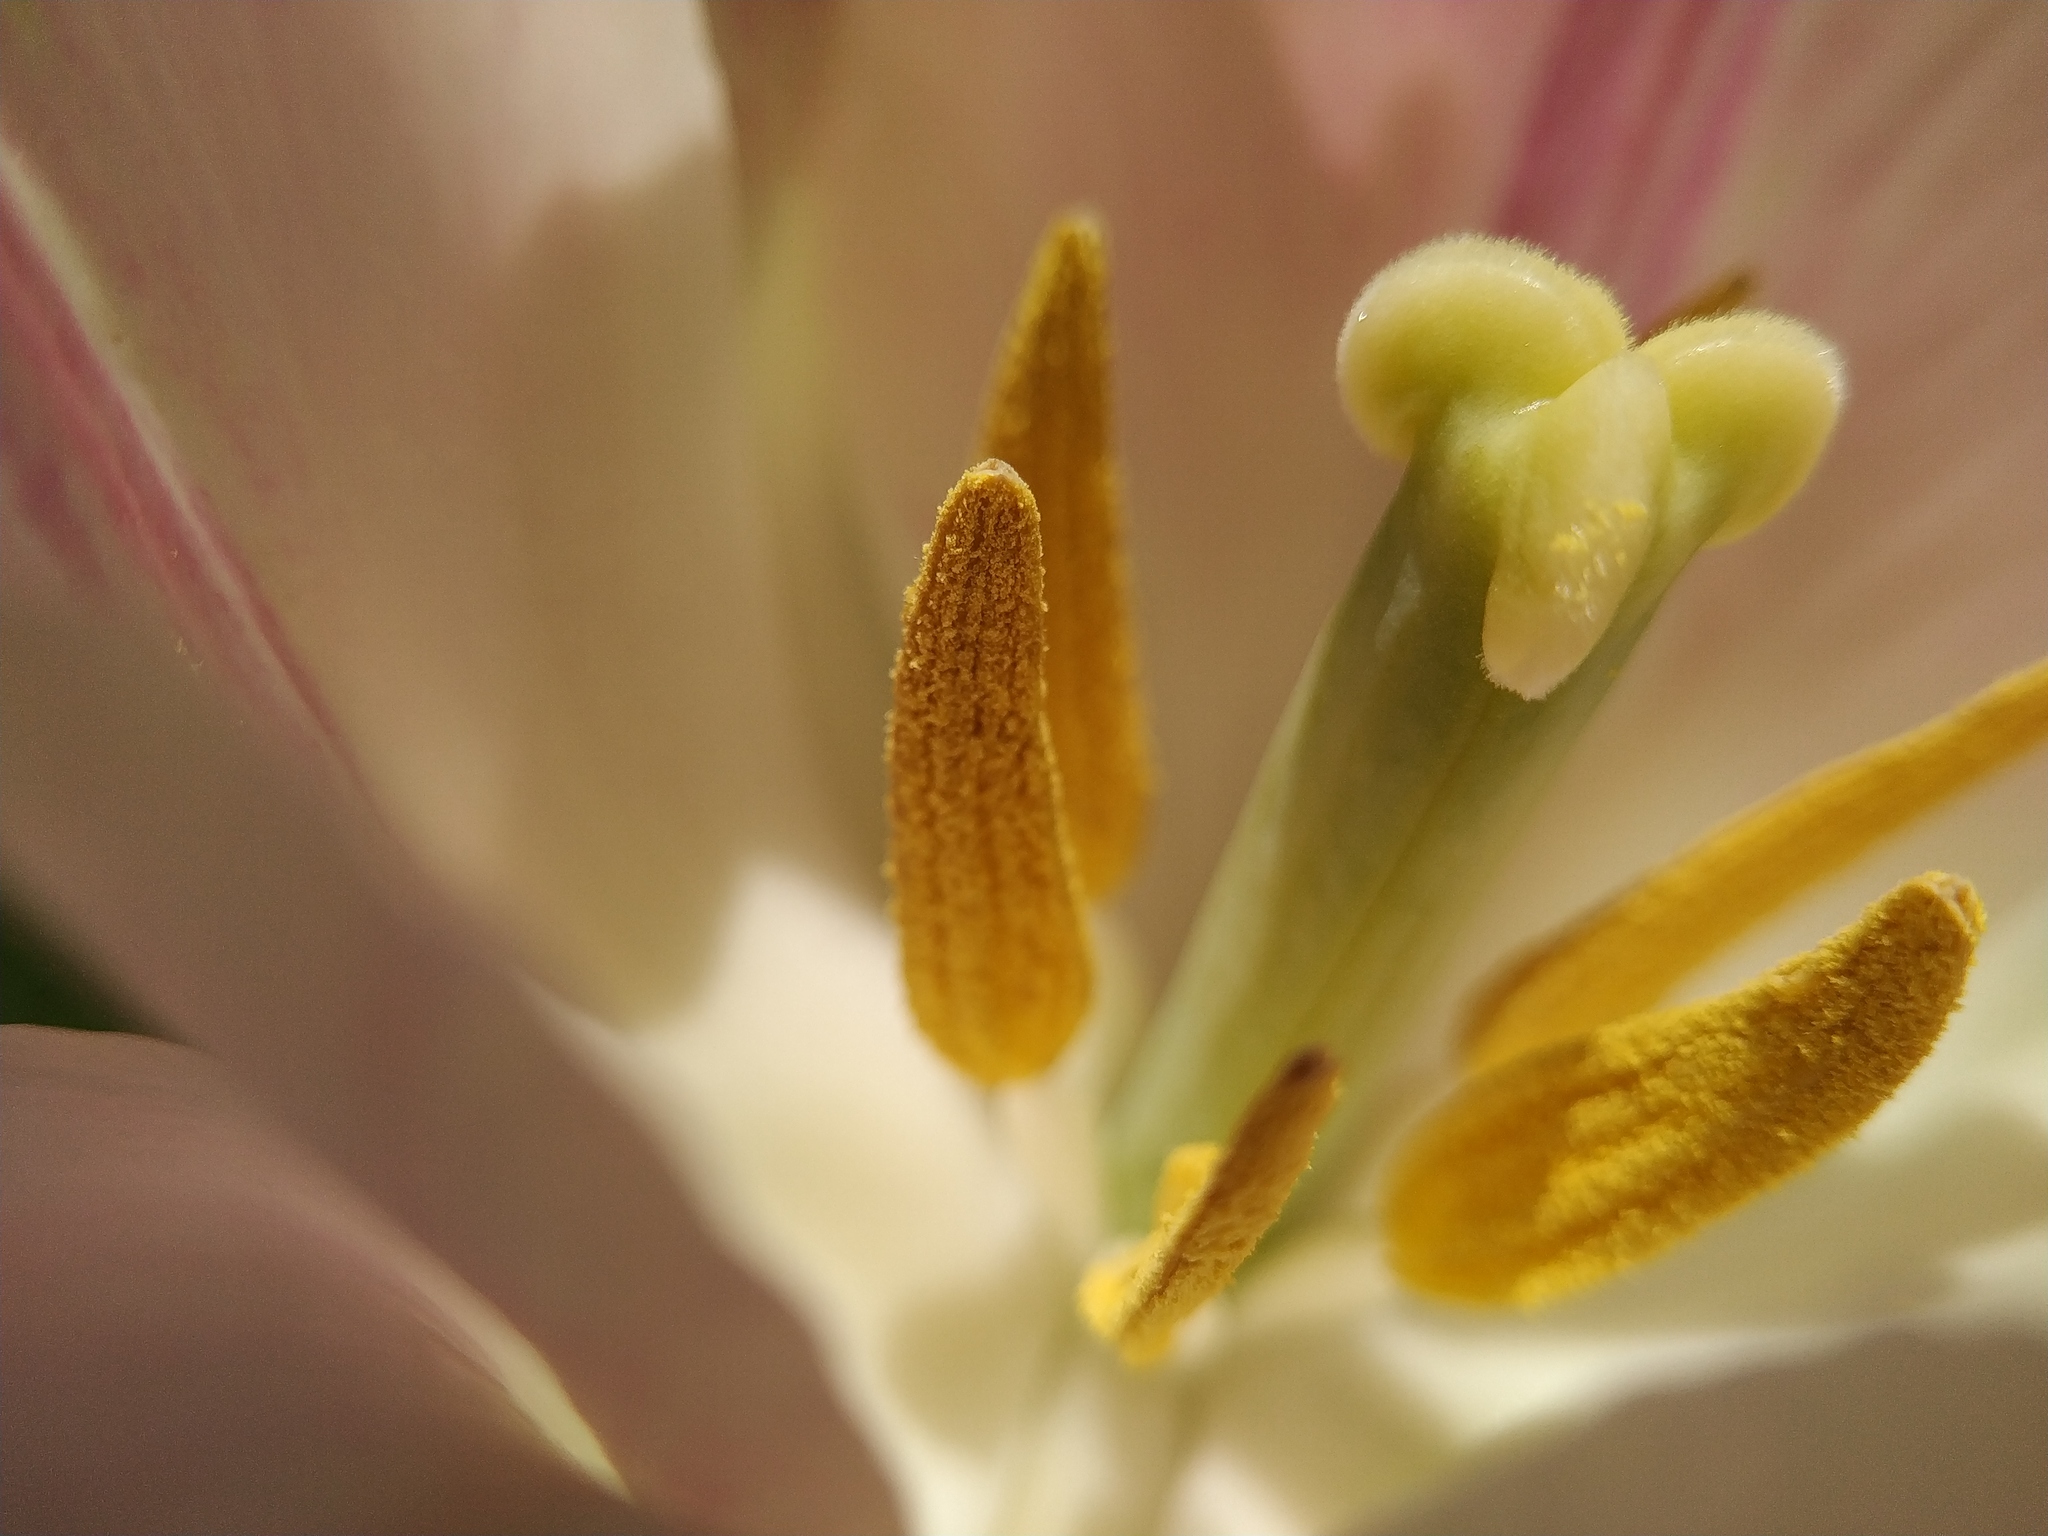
x: 1512, y: 378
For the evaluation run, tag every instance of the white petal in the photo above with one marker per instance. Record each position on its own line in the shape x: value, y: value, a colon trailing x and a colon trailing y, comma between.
x: 876, y: 1186
x: 429, y: 313
x: 219, y: 885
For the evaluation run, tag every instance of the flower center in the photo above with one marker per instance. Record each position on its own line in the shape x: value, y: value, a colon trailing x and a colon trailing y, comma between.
x: 1558, y: 481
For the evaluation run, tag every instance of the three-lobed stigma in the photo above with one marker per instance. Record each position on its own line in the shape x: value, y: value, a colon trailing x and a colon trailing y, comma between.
x: 1510, y: 379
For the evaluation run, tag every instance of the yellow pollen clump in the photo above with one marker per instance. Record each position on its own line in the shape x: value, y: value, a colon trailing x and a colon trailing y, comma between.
x: 995, y: 958
x: 1627, y: 953
x: 1212, y: 1207
x: 1578, y: 1159
x: 1049, y: 417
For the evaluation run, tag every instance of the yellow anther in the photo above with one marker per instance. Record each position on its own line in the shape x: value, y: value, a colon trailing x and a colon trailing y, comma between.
x: 1049, y: 417
x: 1212, y: 1207
x: 1579, y: 1159
x: 1627, y: 953
x: 994, y: 954
x: 1720, y: 297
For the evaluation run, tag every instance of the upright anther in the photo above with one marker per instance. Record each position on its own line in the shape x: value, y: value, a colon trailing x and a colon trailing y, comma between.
x: 1049, y: 418
x: 995, y: 957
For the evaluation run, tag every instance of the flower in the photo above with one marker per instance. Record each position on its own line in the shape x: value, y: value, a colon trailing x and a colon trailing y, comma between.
x: 1225, y: 328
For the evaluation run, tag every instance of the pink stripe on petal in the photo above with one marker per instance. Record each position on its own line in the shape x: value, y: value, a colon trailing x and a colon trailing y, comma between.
x: 1631, y: 137
x: 133, y: 508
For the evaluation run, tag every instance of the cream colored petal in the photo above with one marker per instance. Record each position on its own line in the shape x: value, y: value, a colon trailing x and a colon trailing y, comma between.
x: 226, y: 889
x: 930, y: 1231
x: 429, y: 313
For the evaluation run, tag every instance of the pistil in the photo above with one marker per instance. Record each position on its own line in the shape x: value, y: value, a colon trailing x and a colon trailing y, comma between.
x: 1401, y: 769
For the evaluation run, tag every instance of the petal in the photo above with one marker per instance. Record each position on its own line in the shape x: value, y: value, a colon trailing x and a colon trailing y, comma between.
x: 1898, y: 1434
x: 869, y: 1181
x: 219, y: 884
x: 422, y: 317
x: 204, y: 1329
x: 1364, y: 80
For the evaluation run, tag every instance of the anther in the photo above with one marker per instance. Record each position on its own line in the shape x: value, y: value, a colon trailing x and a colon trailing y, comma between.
x: 1049, y: 417
x: 1212, y: 1207
x: 995, y: 958
x: 1730, y: 292
x: 1627, y: 953
x: 1576, y: 1160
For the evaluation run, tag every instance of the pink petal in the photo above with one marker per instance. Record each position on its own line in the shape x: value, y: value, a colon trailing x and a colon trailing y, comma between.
x: 1626, y: 143
x: 1610, y: 126
x: 203, y: 1329
x: 421, y: 318
x: 1373, y: 83
x: 216, y: 882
